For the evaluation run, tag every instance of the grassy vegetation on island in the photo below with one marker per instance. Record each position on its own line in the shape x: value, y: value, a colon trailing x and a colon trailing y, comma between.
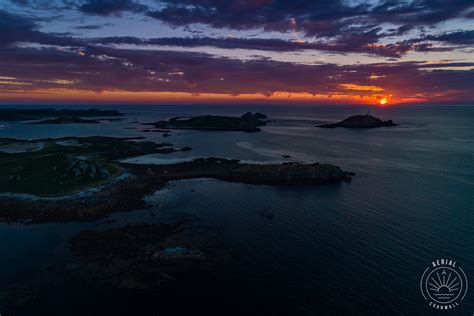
x: 54, y: 167
x: 52, y: 174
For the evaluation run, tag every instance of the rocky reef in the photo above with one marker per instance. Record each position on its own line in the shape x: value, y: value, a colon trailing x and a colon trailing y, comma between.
x: 144, y: 256
x: 361, y: 121
x: 248, y: 122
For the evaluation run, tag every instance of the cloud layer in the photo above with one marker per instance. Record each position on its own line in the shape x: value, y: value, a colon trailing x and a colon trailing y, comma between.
x: 33, y: 58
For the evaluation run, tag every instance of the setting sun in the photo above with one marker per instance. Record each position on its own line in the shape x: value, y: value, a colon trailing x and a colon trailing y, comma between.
x: 383, y: 101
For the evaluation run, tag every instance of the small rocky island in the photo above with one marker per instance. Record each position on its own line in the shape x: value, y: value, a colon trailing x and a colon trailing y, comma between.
x: 248, y: 122
x: 360, y: 121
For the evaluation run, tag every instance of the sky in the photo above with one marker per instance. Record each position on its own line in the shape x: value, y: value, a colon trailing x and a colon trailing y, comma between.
x: 379, y: 52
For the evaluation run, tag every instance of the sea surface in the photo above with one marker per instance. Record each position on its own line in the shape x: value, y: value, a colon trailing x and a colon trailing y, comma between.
x: 341, y: 249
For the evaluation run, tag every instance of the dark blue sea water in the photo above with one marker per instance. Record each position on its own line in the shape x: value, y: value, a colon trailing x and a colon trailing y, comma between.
x: 345, y: 249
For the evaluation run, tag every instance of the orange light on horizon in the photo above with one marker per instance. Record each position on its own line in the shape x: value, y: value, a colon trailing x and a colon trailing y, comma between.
x: 383, y: 101
x: 118, y: 96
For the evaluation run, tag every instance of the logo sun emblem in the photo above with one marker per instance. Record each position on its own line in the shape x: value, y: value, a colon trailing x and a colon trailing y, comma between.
x: 444, y: 284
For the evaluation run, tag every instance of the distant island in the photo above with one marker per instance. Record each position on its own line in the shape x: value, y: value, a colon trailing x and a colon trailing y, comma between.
x: 360, y: 121
x: 65, y: 120
x: 34, y: 114
x: 246, y: 123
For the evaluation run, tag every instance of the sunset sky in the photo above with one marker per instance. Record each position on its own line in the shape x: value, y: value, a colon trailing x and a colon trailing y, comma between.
x: 232, y: 51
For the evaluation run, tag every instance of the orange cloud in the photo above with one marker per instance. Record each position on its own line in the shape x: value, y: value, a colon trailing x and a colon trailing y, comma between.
x: 352, y: 86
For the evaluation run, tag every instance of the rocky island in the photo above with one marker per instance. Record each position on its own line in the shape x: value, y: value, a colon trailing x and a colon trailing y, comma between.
x: 34, y: 114
x: 360, y: 121
x: 248, y: 122
x: 82, y: 179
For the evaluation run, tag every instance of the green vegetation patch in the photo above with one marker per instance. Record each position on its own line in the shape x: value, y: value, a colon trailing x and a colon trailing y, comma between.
x: 52, y: 174
x: 66, y: 165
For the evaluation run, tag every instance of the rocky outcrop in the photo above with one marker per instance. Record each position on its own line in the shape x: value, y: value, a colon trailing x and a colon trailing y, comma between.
x: 361, y: 121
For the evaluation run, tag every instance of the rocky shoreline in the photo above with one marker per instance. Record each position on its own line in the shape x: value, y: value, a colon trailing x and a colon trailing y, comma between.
x: 232, y: 170
x: 127, y: 195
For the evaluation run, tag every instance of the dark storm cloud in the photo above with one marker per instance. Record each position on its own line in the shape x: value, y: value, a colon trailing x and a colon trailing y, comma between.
x: 351, y: 43
x: 364, y: 40
x: 15, y: 28
x: 336, y: 26
x: 311, y: 16
x: 46, y: 4
x: 420, y: 12
x: 135, y: 70
x: 92, y: 26
x: 400, y: 30
x: 109, y: 7
x: 458, y: 37
x: 315, y: 17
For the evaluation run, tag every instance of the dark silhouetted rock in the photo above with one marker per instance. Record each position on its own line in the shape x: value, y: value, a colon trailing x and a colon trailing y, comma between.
x: 260, y: 115
x: 361, y: 121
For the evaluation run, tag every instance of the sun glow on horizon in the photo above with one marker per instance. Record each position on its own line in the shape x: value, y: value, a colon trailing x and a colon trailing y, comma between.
x: 69, y: 95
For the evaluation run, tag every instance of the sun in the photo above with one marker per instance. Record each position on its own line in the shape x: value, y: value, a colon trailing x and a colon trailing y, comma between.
x: 383, y: 101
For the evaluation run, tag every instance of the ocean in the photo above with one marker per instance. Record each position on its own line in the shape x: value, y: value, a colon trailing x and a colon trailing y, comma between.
x: 353, y: 248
